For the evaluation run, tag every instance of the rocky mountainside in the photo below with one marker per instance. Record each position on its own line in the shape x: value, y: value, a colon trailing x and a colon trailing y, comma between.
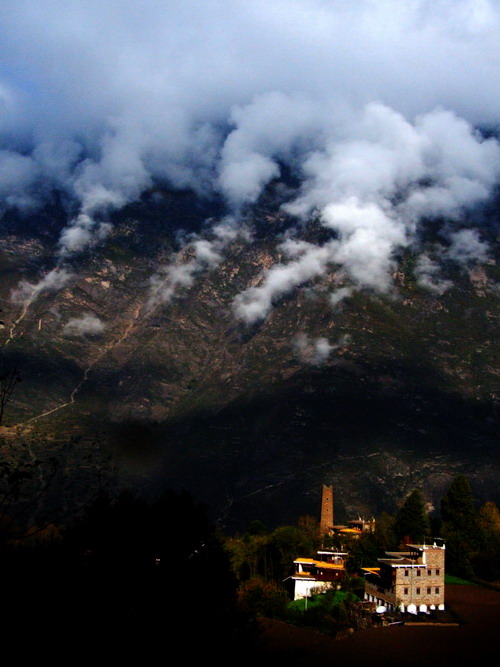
x: 378, y: 395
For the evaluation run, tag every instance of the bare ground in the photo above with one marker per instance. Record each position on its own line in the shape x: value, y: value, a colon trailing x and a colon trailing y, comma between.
x: 476, y: 608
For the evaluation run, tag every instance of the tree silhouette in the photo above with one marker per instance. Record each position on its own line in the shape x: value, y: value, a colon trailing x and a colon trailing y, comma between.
x: 460, y: 526
x: 412, y: 523
x: 10, y: 377
x: 132, y: 575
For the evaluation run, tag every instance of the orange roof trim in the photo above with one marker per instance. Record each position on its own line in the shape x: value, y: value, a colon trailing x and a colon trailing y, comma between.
x: 319, y: 563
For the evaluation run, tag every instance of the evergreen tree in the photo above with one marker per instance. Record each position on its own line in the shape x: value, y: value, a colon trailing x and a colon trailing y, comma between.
x: 458, y: 508
x: 460, y: 526
x: 385, y: 531
x: 412, y: 524
x: 486, y: 562
x: 489, y: 522
x: 363, y: 552
x: 286, y: 543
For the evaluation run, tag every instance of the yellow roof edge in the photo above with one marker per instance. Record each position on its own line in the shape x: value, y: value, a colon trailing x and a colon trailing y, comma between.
x: 321, y: 563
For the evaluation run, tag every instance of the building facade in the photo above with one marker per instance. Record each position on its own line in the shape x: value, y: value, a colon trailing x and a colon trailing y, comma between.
x: 412, y: 581
x: 313, y: 576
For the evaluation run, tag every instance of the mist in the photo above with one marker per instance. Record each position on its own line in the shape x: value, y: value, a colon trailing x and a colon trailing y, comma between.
x: 85, y: 325
x: 385, y: 114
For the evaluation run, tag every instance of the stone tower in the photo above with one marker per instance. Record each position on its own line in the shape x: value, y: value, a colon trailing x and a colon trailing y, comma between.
x: 326, y: 520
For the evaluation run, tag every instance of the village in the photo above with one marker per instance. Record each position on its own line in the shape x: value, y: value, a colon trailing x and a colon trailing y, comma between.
x: 411, y: 581
x: 425, y: 611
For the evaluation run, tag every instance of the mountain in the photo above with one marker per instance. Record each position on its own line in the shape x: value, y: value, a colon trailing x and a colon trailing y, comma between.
x: 378, y: 394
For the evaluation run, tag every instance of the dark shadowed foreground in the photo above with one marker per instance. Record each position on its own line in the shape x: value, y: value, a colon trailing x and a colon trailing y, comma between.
x: 478, y: 612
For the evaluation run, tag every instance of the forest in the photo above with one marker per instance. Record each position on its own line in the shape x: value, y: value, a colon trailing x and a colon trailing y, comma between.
x: 125, y: 572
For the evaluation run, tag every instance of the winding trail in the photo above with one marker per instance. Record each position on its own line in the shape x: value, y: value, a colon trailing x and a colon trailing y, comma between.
x: 21, y: 317
x: 107, y: 349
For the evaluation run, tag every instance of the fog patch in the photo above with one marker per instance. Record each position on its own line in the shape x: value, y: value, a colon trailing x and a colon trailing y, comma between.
x: 198, y: 254
x: 428, y: 273
x: 53, y: 281
x: 87, y: 324
x: 316, y: 351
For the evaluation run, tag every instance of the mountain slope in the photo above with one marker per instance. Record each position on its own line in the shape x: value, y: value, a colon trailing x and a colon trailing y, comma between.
x: 252, y: 418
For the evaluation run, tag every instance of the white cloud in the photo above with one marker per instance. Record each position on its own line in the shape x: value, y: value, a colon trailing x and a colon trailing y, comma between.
x: 87, y: 324
x: 82, y: 232
x: 53, y: 281
x: 466, y: 247
x: 314, y: 351
x: 149, y: 91
x: 371, y: 105
x: 256, y: 302
x: 18, y: 174
x: 370, y: 187
x: 203, y: 254
x: 339, y: 295
x: 273, y: 126
x: 428, y: 274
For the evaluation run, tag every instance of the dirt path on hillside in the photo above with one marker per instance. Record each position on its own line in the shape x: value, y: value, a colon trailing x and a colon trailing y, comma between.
x: 478, y: 611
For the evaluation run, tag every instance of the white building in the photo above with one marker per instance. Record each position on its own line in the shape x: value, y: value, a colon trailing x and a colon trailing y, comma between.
x: 314, y: 576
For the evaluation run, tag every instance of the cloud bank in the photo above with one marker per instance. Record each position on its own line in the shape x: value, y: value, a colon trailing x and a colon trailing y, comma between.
x: 374, y: 107
x: 375, y: 179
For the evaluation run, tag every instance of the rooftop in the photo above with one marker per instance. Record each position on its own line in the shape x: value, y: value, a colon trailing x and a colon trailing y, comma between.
x: 319, y: 563
x: 350, y: 530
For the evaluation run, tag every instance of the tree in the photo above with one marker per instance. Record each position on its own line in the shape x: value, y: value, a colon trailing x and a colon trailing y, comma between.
x: 10, y: 377
x: 412, y: 524
x: 257, y: 527
x: 19, y: 498
x: 363, y: 552
x: 264, y: 598
x: 249, y: 556
x: 486, y: 562
x: 124, y: 573
x: 286, y: 543
x: 489, y: 522
x: 458, y: 508
x: 309, y: 526
x: 460, y: 527
x: 385, y: 531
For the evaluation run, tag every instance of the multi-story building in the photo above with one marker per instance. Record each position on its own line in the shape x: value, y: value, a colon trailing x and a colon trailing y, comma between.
x: 313, y: 576
x: 412, y: 581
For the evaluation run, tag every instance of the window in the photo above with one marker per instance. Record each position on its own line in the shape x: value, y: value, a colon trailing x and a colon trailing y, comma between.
x: 428, y: 590
x: 437, y: 572
x: 419, y: 573
x: 429, y: 572
x: 436, y: 590
x: 418, y: 591
x: 407, y: 573
x: 405, y: 591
